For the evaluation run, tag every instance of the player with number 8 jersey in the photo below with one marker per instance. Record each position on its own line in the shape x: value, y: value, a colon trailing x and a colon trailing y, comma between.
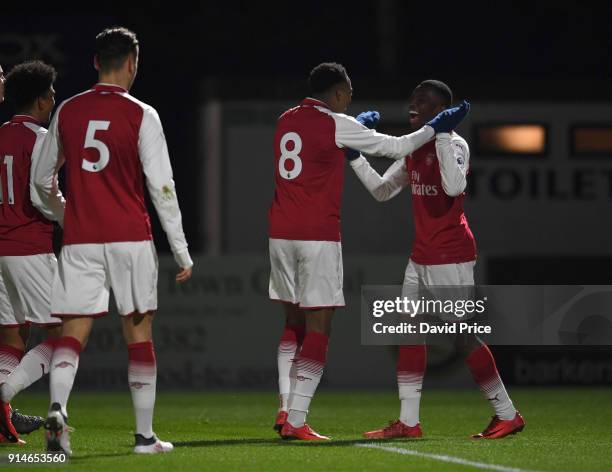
x: 304, y: 229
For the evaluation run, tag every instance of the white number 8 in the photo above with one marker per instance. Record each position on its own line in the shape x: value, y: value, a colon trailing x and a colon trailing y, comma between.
x: 292, y: 155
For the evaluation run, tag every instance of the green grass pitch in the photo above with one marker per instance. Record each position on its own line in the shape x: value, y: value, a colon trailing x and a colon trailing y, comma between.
x: 567, y: 430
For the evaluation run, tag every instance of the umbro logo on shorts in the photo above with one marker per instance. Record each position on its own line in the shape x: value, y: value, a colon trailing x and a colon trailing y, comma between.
x: 64, y: 364
x: 301, y: 378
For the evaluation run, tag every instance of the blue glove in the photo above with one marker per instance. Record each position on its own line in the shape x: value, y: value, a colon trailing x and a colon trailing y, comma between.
x: 369, y: 119
x: 449, y: 119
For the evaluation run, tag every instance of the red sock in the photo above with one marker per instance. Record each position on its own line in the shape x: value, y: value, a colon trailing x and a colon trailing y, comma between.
x: 310, y: 364
x: 482, y: 366
x: 313, y: 354
x: 63, y: 369
x: 411, y: 364
x: 142, y: 377
x: 290, y: 342
x: 9, y: 359
x: 32, y: 367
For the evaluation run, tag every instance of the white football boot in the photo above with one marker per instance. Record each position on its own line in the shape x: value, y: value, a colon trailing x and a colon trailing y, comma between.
x: 152, y: 445
x: 57, y: 431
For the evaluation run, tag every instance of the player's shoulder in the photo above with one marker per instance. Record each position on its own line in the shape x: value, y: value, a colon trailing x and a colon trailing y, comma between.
x: 336, y: 116
x: 308, y: 117
x: 289, y: 113
x: 23, y: 129
x: 145, y: 107
x: 75, y: 99
x: 36, y: 128
x: 459, y: 140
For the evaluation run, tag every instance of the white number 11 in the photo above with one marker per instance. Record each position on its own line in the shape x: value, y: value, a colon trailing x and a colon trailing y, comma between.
x: 8, y: 162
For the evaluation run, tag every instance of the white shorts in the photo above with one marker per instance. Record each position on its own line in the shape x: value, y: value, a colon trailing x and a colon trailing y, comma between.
x: 419, y: 276
x: 306, y: 273
x: 25, y: 290
x: 440, y: 274
x: 87, y: 273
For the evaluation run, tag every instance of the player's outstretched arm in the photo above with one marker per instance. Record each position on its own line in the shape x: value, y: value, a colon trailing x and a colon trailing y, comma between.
x: 155, y: 160
x: 453, y: 156
x: 370, y: 120
x: 352, y: 134
x: 47, y: 159
x: 381, y: 187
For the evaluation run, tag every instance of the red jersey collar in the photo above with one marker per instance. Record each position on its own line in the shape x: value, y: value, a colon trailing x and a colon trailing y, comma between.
x: 102, y: 87
x: 25, y: 119
x: 313, y: 102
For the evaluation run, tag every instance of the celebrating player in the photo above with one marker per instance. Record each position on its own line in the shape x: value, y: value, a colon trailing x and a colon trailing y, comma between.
x: 444, y: 253
x: 304, y: 228
x: 108, y: 139
x: 27, y: 262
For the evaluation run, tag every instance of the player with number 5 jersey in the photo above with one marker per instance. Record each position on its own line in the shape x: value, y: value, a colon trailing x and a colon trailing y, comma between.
x: 112, y: 144
x: 304, y: 230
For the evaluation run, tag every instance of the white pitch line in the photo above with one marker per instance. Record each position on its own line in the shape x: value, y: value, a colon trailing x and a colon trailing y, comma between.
x: 439, y: 457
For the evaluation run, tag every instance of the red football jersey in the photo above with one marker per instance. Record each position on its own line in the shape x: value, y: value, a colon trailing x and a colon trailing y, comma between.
x: 24, y: 230
x: 309, y: 148
x: 99, y: 132
x: 442, y: 233
x: 309, y: 175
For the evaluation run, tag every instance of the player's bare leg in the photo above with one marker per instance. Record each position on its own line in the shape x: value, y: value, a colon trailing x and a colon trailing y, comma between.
x: 142, y: 377
x: 33, y: 366
x: 288, y: 349
x: 63, y: 368
x: 507, y: 420
x: 309, y: 370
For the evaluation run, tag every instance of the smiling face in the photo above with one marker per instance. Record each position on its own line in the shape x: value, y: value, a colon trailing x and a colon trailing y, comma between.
x: 424, y: 105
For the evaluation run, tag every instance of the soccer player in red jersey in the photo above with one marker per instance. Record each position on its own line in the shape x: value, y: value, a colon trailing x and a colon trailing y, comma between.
x: 27, y: 262
x: 111, y: 144
x: 444, y: 253
x: 304, y: 229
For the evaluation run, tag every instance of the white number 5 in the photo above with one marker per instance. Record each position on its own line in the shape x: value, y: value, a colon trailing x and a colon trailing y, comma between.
x: 293, y: 155
x: 92, y: 142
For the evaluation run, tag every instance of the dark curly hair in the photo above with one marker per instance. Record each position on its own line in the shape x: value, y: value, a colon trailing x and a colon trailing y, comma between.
x: 27, y: 82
